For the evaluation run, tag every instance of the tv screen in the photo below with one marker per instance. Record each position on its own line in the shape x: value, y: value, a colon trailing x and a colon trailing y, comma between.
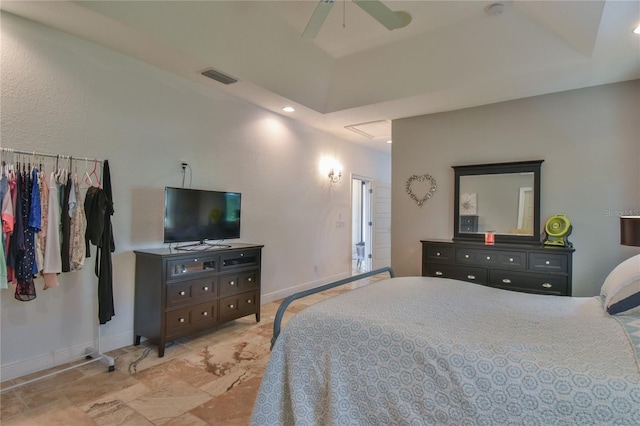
x: 199, y: 215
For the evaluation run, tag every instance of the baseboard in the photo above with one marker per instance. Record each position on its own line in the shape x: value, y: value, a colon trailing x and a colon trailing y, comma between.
x: 281, y: 294
x: 63, y: 356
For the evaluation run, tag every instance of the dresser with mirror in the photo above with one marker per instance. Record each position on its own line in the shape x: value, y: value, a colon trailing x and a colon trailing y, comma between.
x: 503, y: 199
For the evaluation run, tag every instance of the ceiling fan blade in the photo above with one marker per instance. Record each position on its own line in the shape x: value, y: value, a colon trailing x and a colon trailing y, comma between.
x: 317, y: 19
x: 381, y: 13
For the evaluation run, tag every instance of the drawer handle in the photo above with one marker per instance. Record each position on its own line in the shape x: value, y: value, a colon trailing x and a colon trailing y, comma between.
x: 466, y: 256
x: 206, y: 288
x: 547, y: 285
x: 488, y: 257
x: 241, y: 254
x: 547, y: 262
x: 205, y: 313
x: 506, y: 281
x: 182, y: 293
x: 231, y: 306
x: 249, y: 301
x: 439, y: 274
x: 511, y: 259
x: 471, y: 277
x: 181, y: 320
x: 249, y: 279
x: 232, y: 283
x: 438, y: 254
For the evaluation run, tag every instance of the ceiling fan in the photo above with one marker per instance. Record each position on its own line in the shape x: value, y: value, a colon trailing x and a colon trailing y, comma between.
x: 381, y: 13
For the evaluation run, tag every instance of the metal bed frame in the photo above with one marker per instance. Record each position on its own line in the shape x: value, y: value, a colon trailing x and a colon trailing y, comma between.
x: 287, y: 301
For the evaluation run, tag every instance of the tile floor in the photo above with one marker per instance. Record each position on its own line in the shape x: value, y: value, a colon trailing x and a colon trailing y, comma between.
x: 207, y: 379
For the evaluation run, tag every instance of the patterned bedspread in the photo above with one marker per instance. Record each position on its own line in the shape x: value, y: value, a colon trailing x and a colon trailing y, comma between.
x: 426, y: 351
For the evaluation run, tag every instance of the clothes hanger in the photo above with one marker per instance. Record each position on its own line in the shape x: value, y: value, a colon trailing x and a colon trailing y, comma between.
x: 87, y: 176
x: 94, y: 174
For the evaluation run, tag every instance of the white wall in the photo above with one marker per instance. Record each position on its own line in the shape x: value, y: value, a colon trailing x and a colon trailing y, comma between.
x: 64, y: 95
x: 589, y: 139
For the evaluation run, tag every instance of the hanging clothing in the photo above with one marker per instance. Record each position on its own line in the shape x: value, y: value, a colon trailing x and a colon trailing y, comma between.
x: 52, y: 257
x: 35, y: 219
x: 9, y: 249
x: 78, y: 228
x: 3, y: 270
x: 98, y: 210
x: 25, y: 287
x: 44, y: 218
x: 4, y: 192
x: 66, y: 225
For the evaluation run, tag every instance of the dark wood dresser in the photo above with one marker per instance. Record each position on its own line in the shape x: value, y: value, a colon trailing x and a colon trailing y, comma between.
x: 179, y: 292
x: 518, y: 267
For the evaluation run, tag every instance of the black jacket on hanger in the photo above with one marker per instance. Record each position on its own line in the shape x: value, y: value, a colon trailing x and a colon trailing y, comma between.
x: 98, y: 207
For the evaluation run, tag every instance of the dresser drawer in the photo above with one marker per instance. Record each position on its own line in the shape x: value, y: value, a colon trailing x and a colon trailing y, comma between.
x: 240, y: 259
x: 186, y: 292
x: 511, y: 259
x: 438, y: 253
x: 191, y: 267
x: 549, y: 262
x: 187, y: 320
x: 463, y: 273
x: 239, y: 282
x: 528, y: 282
x: 468, y: 223
x: 494, y: 258
x: 239, y: 305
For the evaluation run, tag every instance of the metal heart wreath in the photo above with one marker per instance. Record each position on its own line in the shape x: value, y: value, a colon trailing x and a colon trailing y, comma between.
x: 429, y: 193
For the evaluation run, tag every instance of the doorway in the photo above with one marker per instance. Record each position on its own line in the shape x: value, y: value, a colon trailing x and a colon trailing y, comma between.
x: 361, y: 225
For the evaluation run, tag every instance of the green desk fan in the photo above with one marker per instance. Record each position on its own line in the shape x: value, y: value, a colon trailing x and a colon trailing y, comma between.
x: 556, y: 231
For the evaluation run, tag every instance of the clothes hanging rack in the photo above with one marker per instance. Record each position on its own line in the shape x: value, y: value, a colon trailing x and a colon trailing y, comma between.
x: 34, y: 154
x: 91, y: 354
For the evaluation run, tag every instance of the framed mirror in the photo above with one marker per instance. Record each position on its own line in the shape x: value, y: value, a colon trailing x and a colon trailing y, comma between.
x: 501, y: 197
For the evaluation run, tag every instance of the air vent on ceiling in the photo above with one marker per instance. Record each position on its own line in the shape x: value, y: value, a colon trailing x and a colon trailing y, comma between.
x: 219, y: 76
x: 373, y: 129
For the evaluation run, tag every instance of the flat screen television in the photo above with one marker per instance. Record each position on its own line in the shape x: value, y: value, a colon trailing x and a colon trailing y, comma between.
x: 200, y: 215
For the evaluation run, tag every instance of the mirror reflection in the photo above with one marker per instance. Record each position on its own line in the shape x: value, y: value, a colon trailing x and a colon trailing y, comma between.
x: 502, y: 203
x: 499, y: 197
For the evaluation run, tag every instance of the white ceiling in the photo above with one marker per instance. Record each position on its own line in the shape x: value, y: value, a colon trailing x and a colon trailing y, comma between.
x: 452, y: 55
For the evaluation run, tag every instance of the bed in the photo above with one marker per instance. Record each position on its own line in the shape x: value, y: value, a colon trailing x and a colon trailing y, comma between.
x: 420, y: 350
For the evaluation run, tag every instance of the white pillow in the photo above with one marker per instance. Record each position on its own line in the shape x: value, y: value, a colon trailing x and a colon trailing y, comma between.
x: 621, y: 288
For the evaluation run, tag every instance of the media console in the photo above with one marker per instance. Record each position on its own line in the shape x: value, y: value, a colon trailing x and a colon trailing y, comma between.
x: 178, y: 292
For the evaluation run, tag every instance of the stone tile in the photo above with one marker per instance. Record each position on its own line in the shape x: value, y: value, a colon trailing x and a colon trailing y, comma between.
x: 188, y: 419
x: 45, y: 391
x: 91, y: 388
x: 11, y: 405
x: 61, y: 412
x: 231, y: 408
x: 170, y: 402
x: 125, y: 395
x: 116, y: 412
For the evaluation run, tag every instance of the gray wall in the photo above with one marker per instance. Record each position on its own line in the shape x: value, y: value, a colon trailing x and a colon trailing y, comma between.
x: 63, y: 95
x: 589, y: 139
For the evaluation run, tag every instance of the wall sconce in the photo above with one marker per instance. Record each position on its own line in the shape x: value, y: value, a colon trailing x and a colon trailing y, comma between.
x: 335, y: 174
x: 331, y: 168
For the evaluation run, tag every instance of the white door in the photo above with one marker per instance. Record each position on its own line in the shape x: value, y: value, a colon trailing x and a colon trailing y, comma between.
x: 381, y: 251
x: 361, y: 236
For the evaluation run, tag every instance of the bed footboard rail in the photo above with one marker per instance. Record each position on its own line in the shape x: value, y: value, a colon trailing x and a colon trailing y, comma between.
x: 287, y: 301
